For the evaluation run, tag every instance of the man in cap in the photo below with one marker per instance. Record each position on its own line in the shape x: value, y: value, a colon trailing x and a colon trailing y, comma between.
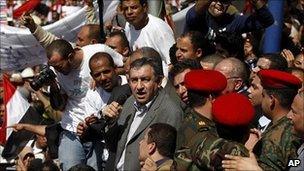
x: 201, y: 93
x: 177, y: 77
x: 297, y: 117
x: 266, y: 61
x: 278, y: 144
x: 207, y: 150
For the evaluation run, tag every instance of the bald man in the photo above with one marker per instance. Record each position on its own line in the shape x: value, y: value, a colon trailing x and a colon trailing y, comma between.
x: 235, y: 73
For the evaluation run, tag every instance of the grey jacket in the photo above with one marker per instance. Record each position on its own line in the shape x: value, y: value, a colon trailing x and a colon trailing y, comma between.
x: 162, y: 110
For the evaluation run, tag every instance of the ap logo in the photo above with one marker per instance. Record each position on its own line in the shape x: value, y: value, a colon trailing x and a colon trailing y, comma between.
x: 294, y: 163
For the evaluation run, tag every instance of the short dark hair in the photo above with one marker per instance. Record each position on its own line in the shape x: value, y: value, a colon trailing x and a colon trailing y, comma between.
x: 102, y: 55
x: 232, y: 42
x: 62, y: 47
x: 49, y: 165
x: 124, y: 40
x: 153, y: 62
x: 240, y: 69
x: 34, y: 164
x: 285, y: 96
x: 95, y: 33
x: 182, y: 66
x: 164, y: 137
x: 172, y: 54
x: 148, y: 52
x: 196, y: 98
x: 213, y: 58
x: 198, y: 41
x: 277, y: 61
x: 142, y: 2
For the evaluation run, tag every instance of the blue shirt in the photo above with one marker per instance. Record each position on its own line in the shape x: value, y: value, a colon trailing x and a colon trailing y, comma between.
x: 209, y: 26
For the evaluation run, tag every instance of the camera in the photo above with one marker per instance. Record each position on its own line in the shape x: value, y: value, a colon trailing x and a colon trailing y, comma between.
x: 252, y: 63
x: 45, y: 76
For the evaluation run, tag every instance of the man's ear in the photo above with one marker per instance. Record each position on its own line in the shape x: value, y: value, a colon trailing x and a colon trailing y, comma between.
x: 71, y: 57
x: 199, y: 52
x: 238, y: 84
x: 272, y: 102
x: 152, y: 148
x: 211, y: 98
x: 126, y: 52
x: 93, y: 41
x: 146, y: 7
x: 159, y: 81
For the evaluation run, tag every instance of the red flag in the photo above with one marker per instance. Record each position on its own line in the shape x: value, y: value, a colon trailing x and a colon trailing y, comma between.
x: 27, y: 6
x: 9, y: 90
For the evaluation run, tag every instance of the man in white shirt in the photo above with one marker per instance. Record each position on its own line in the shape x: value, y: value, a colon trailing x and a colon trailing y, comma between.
x: 104, y: 74
x: 73, y: 75
x: 143, y: 29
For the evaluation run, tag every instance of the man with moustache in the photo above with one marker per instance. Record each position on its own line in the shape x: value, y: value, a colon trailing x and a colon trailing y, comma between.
x: 148, y: 104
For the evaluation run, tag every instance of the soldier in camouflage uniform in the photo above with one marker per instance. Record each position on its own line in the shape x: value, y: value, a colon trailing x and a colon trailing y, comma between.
x: 202, y: 149
x: 278, y: 144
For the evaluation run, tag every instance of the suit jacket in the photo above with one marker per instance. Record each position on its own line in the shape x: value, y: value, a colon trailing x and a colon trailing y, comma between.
x: 162, y: 110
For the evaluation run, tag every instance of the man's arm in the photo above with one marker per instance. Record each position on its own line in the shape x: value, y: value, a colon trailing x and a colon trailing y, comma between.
x: 36, y: 129
x: 261, y: 19
x: 90, y: 13
x: 45, y: 38
x: 58, y: 100
x: 195, y: 17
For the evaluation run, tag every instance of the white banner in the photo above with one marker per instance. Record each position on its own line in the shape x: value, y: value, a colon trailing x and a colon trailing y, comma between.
x: 19, y: 48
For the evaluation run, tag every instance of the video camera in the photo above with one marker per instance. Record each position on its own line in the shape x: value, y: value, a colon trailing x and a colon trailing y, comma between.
x: 44, y: 77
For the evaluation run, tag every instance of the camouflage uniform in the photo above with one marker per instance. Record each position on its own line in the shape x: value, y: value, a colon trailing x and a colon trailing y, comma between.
x: 277, y: 146
x: 203, y: 149
x: 193, y: 124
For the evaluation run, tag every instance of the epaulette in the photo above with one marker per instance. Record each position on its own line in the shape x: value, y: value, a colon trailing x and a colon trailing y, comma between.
x: 202, y: 126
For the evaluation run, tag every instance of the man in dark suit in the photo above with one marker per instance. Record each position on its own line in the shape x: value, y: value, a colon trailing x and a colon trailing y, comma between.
x: 148, y: 104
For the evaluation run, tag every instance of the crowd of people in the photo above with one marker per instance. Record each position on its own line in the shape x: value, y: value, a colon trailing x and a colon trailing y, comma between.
x: 141, y: 97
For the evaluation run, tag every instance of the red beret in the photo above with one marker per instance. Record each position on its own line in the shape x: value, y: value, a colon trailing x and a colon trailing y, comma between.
x: 209, y: 81
x: 232, y: 109
x: 278, y: 79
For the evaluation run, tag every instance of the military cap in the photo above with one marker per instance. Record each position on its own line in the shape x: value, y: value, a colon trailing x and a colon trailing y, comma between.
x: 278, y: 79
x: 232, y: 109
x: 209, y: 81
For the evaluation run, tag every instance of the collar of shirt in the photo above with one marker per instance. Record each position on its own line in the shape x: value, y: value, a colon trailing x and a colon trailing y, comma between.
x: 161, y: 161
x: 141, y: 109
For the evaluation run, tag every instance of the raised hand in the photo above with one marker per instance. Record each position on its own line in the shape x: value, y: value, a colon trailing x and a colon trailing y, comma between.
x: 27, y: 20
